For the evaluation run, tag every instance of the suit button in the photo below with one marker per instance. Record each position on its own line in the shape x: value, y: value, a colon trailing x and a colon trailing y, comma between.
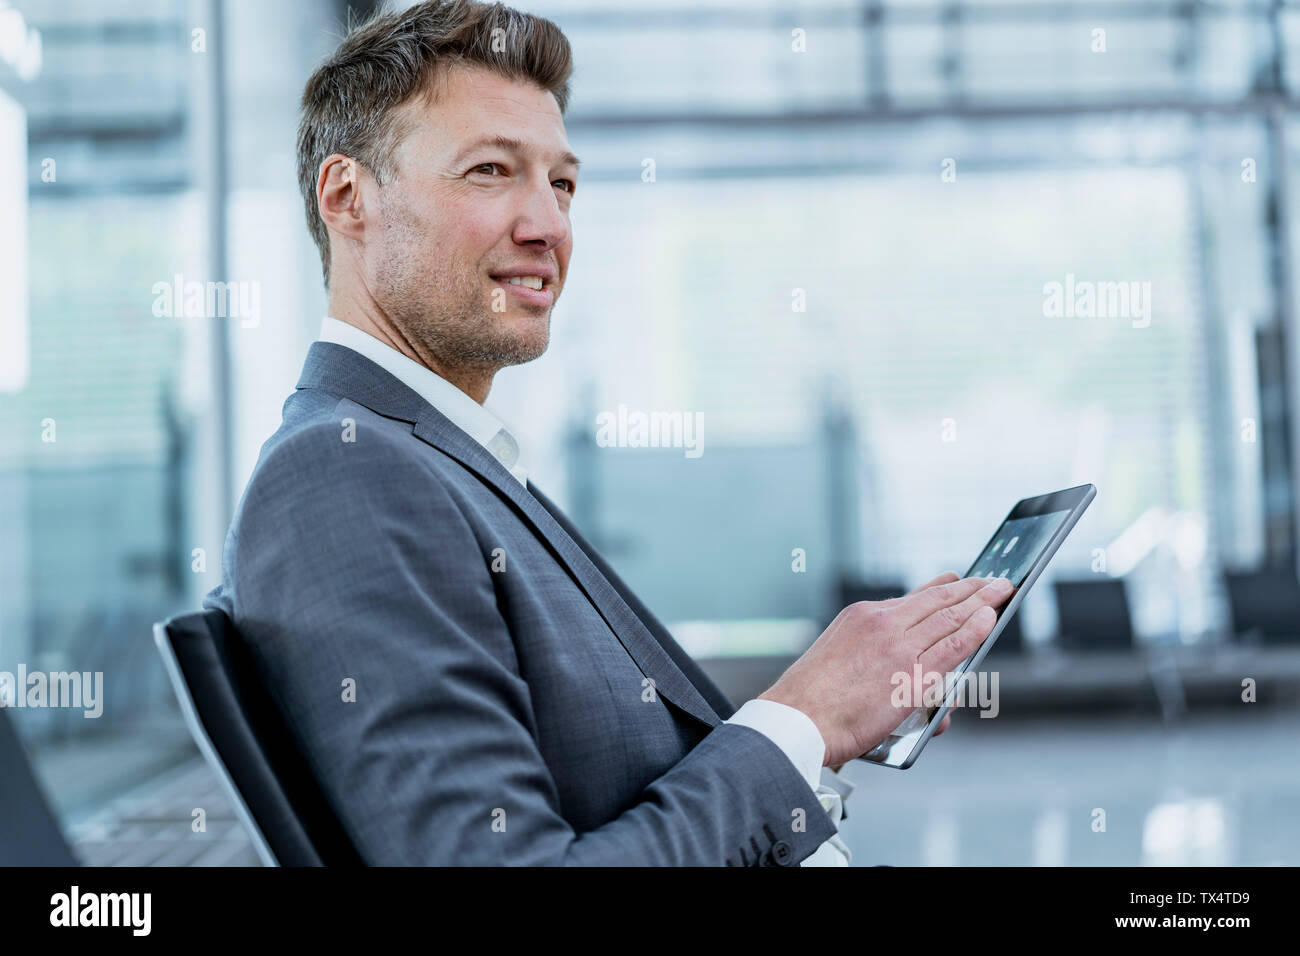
x: 782, y: 853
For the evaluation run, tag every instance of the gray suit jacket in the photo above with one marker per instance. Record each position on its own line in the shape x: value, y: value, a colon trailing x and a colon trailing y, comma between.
x: 469, y: 681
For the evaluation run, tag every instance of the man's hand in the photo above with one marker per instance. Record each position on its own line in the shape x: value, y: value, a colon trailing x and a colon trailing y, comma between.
x: 846, y: 680
x: 946, y: 578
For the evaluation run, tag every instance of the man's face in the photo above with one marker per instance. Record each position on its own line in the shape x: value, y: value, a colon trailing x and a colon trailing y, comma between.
x: 461, y: 212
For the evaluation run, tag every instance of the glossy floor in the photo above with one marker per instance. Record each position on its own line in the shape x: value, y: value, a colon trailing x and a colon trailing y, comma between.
x: 1214, y: 790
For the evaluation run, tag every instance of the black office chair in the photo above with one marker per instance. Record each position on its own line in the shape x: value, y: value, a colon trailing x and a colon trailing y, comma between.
x: 239, y: 731
x: 29, y: 832
x: 1094, y: 615
x: 1265, y: 601
x: 1011, y: 641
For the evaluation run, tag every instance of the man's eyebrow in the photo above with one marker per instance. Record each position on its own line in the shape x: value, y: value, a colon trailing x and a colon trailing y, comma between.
x: 509, y: 144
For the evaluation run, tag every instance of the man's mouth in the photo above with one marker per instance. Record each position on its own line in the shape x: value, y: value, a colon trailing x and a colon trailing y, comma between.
x: 534, y: 290
x: 533, y: 282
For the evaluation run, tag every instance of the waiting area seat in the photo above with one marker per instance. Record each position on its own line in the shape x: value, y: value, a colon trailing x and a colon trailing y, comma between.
x: 239, y: 731
x: 1093, y: 615
x: 29, y: 832
x: 1265, y: 603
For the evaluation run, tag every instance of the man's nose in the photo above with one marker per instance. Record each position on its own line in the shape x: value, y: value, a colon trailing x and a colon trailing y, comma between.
x: 542, y: 220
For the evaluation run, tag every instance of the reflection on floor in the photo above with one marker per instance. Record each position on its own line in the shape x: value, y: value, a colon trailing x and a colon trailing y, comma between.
x: 1213, y: 790
x: 156, y: 825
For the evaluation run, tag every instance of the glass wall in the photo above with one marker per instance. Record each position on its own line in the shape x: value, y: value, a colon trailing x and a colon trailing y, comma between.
x: 97, y: 449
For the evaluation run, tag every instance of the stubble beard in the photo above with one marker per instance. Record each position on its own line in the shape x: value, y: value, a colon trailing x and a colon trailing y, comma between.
x: 462, y: 331
x: 449, y: 314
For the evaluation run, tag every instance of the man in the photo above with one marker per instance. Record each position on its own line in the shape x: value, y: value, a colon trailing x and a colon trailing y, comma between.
x: 469, y: 681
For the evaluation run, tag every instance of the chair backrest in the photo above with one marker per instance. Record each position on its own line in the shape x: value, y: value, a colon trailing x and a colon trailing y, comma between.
x: 238, y: 729
x: 1094, y: 615
x: 1012, y: 639
x: 29, y: 833
x: 1267, y: 601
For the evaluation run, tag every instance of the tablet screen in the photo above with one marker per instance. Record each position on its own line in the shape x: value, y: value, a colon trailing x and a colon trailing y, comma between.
x: 1016, y: 546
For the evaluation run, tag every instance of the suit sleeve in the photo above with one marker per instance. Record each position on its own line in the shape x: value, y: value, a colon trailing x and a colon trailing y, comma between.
x: 369, y: 606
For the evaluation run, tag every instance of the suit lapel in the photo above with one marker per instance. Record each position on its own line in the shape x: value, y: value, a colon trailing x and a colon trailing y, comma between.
x: 700, y: 680
x: 341, y: 371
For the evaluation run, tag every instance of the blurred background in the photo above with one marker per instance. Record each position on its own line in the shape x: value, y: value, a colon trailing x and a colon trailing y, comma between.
x: 829, y: 229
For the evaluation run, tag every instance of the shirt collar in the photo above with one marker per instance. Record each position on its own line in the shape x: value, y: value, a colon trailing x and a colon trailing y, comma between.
x: 461, y: 410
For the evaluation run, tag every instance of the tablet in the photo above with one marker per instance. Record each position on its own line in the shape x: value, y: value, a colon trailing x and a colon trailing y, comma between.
x: 1018, y: 551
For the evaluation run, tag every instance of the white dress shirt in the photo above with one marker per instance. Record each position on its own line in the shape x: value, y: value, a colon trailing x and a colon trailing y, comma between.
x: 790, y: 729
x: 465, y: 413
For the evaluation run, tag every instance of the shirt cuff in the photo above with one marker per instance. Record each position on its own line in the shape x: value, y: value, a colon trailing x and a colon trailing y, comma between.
x: 791, y: 730
x: 840, y: 785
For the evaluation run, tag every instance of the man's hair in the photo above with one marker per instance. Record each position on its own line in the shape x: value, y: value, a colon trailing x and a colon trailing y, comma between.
x: 350, y: 104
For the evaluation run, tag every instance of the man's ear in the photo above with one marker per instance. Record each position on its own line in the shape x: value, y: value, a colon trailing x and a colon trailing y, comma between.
x: 341, y: 186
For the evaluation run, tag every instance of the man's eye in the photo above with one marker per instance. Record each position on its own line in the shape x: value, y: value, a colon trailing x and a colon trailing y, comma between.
x: 571, y: 184
x: 484, y: 166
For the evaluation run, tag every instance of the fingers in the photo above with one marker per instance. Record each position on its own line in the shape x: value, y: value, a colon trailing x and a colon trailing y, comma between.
x: 945, y: 620
x: 916, y: 608
x: 943, y: 724
x: 946, y: 578
x: 945, y: 654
